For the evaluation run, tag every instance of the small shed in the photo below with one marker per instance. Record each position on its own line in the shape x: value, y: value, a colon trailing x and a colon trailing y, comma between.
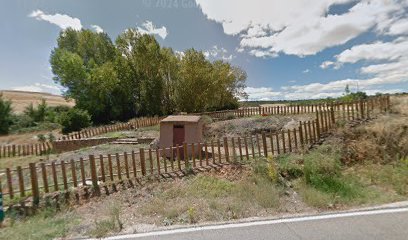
x: 179, y: 129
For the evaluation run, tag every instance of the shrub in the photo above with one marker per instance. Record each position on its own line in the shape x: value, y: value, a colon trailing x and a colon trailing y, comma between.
x: 5, y: 115
x: 74, y: 120
x: 230, y: 116
x: 322, y: 170
x: 289, y: 166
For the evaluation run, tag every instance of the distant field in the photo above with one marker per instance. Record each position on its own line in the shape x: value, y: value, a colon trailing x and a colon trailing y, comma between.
x: 21, y: 99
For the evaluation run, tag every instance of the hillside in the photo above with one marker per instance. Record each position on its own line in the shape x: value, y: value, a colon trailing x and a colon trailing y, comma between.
x: 22, y: 99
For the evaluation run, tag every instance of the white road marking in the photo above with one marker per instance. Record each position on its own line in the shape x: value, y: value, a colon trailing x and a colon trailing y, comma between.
x: 260, y: 223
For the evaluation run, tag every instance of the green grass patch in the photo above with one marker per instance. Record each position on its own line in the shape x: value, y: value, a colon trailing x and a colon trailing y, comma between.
x: 46, y: 224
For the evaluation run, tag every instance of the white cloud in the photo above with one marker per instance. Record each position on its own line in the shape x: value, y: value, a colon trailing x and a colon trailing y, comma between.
x: 306, y: 71
x: 296, y: 27
x: 41, y: 87
x: 375, y: 51
x: 61, y: 20
x: 149, y: 28
x: 179, y: 54
x: 326, y: 64
x: 262, y: 53
x: 262, y: 93
x: 97, y: 28
x: 218, y: 53
x: 399, y: 27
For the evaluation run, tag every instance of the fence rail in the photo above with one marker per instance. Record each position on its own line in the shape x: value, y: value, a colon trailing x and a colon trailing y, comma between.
x: 38, y: 149
x: 42, y: 178
x: 42, y: 148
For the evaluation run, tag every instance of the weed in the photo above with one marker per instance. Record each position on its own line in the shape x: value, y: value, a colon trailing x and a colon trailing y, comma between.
x: 46, y: 224
x: 111, y: 224
x: 192, y: 215
x: 290, y: 166
x: 209, y: 187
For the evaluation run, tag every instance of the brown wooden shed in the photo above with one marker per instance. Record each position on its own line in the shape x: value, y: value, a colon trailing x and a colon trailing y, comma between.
x: 179, y: 129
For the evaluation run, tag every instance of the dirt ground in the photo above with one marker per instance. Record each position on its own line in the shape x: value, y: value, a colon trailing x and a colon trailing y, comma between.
x: 20, y: 99
x: 140, y: 210
x: 26, y: 138
x: 242, y: 126
x: 148, y: 132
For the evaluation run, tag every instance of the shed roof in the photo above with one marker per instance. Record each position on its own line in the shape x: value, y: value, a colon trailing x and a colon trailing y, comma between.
x: 182, y: 118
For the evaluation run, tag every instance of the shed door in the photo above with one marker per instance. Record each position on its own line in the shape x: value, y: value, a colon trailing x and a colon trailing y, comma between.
x: 178, y: 134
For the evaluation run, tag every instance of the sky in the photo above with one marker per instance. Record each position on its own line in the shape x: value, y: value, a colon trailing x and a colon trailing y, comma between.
x: 294, y: 49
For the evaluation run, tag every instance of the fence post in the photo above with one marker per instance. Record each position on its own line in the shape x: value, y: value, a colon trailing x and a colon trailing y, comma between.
x: 317, y: 125
x: 333, y: 119
x: 21, y: 181
x: 226, y: 151
x: 94, y: 175
x: 301, y: 134
x: 34, y: 185
x: 142, y: 161
x: 185, y: 155
x: 9, y: 183
x: 265, y: 147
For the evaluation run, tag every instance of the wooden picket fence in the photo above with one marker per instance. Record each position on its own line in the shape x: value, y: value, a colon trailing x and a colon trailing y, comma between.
x: 42, y: 178
x: 38, y: 149
x: 381, y: 102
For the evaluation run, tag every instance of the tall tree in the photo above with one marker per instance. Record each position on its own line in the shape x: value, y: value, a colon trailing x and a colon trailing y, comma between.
x: 5, y: 115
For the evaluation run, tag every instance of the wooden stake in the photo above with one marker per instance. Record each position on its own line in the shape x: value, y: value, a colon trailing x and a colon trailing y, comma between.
x: 34, y: 184
x: 64, y: 175
x: 118, y: 165
x: 54, y: 176
x: 110, y: 167
x: 73, y: 173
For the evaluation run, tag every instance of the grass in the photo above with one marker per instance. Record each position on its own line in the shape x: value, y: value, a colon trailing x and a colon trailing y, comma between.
x: 322, y: 180
x: 111, y: 223
x: 114, y: 135
x: 212, y: 197
x: 47, y: 224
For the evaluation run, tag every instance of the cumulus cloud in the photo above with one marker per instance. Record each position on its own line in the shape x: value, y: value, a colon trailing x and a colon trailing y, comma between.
x: 149, y: 28
x: 97, y: 28
x: 218, y: 53
x: 61, y: 20
x: 296, y: 27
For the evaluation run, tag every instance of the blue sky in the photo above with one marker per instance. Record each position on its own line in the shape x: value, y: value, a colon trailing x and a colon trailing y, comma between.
x: 289, y: 49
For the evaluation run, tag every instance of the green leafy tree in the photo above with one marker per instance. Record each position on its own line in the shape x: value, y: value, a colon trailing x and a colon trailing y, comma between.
x: 5, y: 115
x: 135, y: 76
x: 74, y: 120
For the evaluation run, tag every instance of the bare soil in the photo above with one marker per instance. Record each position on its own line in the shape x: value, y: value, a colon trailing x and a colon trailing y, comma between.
x: 243, y: 126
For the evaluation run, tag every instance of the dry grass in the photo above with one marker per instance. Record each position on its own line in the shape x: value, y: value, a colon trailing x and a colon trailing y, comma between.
x: 20, y: 99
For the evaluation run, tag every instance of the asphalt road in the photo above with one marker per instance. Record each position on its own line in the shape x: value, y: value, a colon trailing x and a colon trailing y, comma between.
x: 387, y: 224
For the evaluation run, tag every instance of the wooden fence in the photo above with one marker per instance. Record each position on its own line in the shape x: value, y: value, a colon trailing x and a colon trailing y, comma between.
x: 382, y: 102
x: 39, y: 179
x: 38, y: 149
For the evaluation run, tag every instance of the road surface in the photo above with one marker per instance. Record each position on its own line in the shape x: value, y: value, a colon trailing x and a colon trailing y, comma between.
x: 387, y: 224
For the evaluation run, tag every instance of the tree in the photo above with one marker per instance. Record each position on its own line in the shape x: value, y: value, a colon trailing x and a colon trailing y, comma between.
x: 135, y: 76
x: 83, y: 63
x: 5, y: 115
x: 194, y: 85
x: 74, y: 120
x: 347, y: 90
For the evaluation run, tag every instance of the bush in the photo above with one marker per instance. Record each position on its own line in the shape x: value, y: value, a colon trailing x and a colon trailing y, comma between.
x: 74, y: 120
x: 5, y: 115
x: 322, y: 170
